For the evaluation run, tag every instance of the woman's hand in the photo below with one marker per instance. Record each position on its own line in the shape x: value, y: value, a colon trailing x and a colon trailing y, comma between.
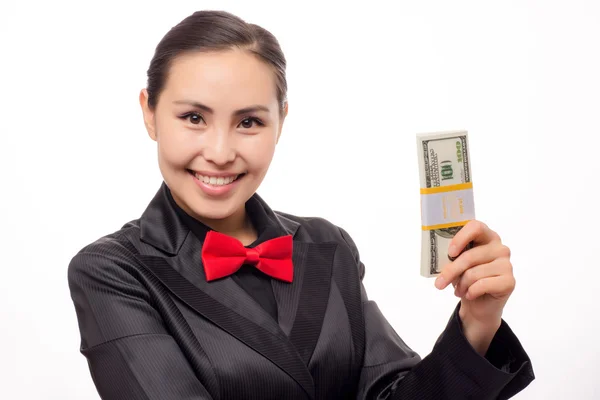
x: 483, y: 279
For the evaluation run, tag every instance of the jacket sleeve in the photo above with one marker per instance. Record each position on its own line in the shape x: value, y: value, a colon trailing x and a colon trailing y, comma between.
x: 453, y: 369
x: 130, y: 353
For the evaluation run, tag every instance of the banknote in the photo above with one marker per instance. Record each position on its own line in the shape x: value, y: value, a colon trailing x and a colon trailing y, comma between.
x: 446, y: 194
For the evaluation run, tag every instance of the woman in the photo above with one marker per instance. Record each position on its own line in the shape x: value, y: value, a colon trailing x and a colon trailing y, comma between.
x: 213, y: 295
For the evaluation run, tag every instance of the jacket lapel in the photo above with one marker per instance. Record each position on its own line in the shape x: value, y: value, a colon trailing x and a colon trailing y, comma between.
x: 304, y: 303
x: 289, y: 342
x: 188, y: 263
x: 273, y: 346
x: 287, y: 295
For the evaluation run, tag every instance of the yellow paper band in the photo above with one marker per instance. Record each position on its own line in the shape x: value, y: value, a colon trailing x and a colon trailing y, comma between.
x: 449, y: 188
x: 443, y: 226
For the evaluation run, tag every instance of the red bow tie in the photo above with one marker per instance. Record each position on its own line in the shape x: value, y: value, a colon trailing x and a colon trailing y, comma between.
x: 223, y: 255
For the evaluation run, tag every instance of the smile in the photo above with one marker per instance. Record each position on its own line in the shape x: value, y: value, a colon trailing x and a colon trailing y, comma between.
x: 215, y: 180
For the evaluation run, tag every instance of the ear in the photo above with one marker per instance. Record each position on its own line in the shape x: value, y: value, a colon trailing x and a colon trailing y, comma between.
x: 148, y: 114
x: 285, y: 113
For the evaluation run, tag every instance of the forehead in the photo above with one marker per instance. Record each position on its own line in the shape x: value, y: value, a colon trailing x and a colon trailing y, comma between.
x: 225, y: 78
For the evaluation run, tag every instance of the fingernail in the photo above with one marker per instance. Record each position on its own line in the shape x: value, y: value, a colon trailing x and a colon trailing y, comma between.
x: 452, y: 251
x: 440, y: 282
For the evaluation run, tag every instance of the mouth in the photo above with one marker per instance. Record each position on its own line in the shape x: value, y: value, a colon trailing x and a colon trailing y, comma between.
x: 216, y: 181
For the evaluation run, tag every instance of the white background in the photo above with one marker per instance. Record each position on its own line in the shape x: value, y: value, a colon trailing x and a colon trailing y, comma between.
x: 521, y: 76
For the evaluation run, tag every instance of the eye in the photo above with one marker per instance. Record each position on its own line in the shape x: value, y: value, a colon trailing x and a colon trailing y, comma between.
x: 247, y: 122
x: 193, y: 117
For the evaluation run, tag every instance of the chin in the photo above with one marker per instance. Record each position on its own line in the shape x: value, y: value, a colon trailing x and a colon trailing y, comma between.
x: 214, y: 212
x: 215, y: 208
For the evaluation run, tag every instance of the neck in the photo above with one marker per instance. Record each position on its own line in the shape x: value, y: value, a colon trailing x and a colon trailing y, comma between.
x: 237, y: 225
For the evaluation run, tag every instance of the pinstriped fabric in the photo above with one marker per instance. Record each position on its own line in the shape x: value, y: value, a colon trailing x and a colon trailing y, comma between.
x: 130, y: 303
x: 162, y: 301
x: 381, y: 332
x: 117, y: 377
x: 111, y: 316
x: 277, y: 349
x: 287, y: 300
x: 134, y: 349
x: 153, y: 328
x: 348, y: 281
x: 313, y: 300
x: 238, y: 365
x: 331, y: 370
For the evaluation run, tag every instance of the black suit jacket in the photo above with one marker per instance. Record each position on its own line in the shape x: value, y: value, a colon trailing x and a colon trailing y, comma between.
x: 152, y: 327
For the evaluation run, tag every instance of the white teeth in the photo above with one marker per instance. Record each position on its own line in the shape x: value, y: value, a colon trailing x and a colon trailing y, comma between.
x: 212, y: 180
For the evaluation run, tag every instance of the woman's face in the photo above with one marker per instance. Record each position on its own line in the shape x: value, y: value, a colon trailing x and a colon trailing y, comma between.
x: 216, y: 124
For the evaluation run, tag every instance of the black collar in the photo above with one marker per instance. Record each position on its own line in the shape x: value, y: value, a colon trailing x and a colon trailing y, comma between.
x: 165, y: 225
x: 265, y: 225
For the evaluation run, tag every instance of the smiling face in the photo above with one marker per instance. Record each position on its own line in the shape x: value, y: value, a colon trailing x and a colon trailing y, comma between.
x: 216, y: 124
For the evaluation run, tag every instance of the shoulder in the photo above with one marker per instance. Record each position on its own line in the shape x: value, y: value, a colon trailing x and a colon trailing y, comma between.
x: 106, y: 256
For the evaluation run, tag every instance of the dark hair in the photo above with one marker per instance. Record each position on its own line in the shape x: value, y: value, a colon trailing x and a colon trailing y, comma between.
x: 215, y: 31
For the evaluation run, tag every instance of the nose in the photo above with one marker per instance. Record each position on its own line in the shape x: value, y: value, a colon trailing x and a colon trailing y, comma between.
x: 218, y: 147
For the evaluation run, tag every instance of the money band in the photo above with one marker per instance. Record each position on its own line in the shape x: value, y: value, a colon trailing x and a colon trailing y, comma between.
x: 447, y: 206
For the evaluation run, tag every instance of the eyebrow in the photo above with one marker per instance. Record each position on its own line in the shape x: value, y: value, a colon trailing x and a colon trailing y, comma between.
x: 209, y: 110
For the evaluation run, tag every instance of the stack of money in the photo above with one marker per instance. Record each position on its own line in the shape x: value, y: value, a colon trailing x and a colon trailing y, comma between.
x: 446, y: 194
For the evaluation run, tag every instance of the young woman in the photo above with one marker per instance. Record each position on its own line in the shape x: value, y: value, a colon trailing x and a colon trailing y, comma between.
x: 210, y: 294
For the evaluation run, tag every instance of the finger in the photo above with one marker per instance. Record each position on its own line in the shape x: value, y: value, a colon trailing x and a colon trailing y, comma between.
x: 474, y: 231
x: 497, y: 267
x: 469, y: 246
x: 455, y: 282
x: 496, y: 286
x: 482, y: 254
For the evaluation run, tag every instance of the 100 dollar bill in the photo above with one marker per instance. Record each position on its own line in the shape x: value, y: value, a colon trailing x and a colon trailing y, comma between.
x: 446, y: 194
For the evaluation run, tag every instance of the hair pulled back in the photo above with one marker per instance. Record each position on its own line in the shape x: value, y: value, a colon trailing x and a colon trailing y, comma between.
x: 205, y: 31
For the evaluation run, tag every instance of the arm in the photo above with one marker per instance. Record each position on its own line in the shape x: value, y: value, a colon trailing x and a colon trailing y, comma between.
x: 130, y: 354
x: 453, y: 369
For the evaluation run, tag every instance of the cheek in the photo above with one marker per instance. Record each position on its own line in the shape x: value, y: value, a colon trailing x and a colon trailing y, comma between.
x: 173, y: 148
x: 258, y: 156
